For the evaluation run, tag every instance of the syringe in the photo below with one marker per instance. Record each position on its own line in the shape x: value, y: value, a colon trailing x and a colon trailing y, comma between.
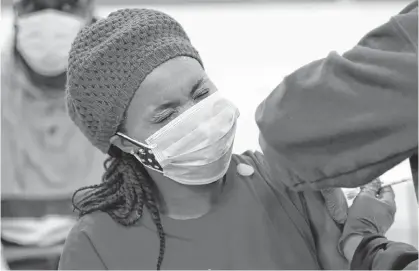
x: 351, y: 193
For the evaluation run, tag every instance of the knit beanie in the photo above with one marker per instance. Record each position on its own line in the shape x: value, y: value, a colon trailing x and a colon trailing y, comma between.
x: 109, y: 60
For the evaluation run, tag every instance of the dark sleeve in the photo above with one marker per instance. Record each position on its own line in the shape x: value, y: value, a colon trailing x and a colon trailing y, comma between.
x: 375, y: 252
x: 79, y: 253
x: 346, y: 119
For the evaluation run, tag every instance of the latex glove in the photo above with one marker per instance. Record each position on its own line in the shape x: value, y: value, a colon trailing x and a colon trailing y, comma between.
x: 372, y: 212
x: 336, y: 204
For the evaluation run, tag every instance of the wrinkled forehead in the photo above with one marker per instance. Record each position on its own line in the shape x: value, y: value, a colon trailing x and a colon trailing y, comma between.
x: 169, y: 81
x: 80, y: 7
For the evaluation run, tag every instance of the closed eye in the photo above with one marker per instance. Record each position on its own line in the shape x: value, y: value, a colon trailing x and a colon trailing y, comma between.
x: 163, y: 115
x: 201, y: 93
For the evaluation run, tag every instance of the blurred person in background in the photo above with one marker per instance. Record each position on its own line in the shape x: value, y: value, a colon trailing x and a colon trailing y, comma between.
x: 173, y: 195
x: 344, y: 120
x: 45, y: 158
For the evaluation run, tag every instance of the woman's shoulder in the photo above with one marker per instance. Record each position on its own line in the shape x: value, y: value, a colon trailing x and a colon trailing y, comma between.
x: 263, y: 180
x: 91, y: 225
x: 249, y: 157
x: 103, y: 231
x: 116, y: 246
x: 94, y: 220
x: 79, y: 249
x: 98, y: 239
x: 98, y: 224
x: 256, y: 160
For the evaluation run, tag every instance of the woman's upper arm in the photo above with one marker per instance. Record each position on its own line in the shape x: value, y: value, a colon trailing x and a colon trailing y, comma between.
x: 325, y: 231
x: 79, y: 253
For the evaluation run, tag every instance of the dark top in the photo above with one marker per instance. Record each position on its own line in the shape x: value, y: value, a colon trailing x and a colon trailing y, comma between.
x: 375, y: 252
x: 257, y: 224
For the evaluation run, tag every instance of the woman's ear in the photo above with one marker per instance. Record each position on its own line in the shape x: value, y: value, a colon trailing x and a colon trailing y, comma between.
x: 122, y: 144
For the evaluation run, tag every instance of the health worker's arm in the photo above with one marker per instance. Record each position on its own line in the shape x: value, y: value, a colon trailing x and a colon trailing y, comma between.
x: 375, y: 252
x: 79, y: 253
x: 344, y: 120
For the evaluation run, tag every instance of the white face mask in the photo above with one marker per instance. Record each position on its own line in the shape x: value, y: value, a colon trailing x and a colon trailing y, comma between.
x: 196, y: 147
x: 44, y: 39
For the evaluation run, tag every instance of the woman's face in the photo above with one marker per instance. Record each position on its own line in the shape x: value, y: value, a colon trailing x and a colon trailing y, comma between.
x: 167, y: 92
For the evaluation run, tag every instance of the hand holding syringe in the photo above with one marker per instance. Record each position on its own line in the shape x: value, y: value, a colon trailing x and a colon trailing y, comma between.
x: 351, y: 193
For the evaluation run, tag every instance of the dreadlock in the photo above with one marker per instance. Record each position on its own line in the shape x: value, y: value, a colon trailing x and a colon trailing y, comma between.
x: 126, y: 187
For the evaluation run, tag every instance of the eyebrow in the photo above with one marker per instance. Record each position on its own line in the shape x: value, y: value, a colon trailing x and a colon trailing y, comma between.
x: 172, y: 104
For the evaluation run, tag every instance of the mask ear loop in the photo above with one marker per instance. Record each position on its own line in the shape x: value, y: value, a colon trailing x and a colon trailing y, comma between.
x: 133, y: 141
x: 135, y: 152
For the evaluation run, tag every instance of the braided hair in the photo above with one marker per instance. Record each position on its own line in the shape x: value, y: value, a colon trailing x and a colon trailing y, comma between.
x: 126, y: 187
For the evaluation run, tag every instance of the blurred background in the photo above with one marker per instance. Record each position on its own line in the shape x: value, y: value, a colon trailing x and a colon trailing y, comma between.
x: 247, y: 47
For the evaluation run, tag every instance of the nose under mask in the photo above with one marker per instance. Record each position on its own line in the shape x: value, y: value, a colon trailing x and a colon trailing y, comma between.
x: 196, y: 147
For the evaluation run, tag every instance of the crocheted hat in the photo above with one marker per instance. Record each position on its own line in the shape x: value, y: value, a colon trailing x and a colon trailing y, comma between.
x: 110, y: 59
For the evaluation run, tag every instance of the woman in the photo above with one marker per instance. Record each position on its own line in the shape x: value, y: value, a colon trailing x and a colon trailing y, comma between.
x: 138, y: 91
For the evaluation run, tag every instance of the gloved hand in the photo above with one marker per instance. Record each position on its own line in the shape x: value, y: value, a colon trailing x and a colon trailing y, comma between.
x: 372, y: 212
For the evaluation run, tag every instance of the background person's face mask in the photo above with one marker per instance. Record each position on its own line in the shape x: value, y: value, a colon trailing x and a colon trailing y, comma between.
x: 196, y: 147
x: 44, y: 39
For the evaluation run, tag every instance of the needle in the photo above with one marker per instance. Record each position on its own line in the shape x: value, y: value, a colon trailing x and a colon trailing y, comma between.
x: 353, y: 192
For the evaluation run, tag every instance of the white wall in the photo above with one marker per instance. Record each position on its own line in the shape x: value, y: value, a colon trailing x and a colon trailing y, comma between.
x: 248, y: 49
